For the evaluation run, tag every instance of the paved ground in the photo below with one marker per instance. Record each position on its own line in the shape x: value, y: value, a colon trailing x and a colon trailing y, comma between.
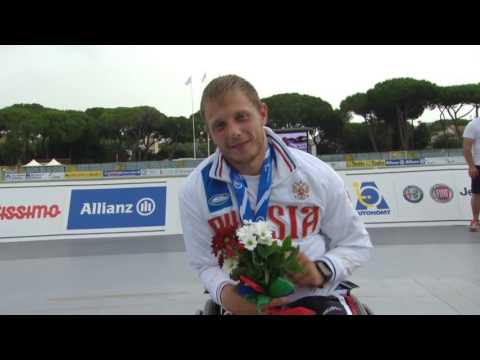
x: 428, y: 270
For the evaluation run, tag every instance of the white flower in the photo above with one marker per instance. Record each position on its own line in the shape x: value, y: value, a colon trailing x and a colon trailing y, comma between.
x: 264, y: 232
x: 250, y: 244
x: 229, y: 264
x: 251, y: 233
x: 244, y: 233
x: 277, y: 241
x: 265, y: 240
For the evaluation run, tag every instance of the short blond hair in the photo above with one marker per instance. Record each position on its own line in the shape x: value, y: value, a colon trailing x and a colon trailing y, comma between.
x: 220, y: 86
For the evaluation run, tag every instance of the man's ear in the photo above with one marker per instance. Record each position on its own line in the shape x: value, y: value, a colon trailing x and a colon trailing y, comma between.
x: 264, y: 113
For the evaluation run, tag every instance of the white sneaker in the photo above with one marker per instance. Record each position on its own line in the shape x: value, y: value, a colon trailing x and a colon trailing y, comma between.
x: 474, y: 226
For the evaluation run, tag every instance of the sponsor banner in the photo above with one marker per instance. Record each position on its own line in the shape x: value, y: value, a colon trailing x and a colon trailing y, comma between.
x: 466, y: 191
x: 167, y: 172
x: 441, y: 193
x: 102, y: 208
x: 183, y: 171
x: 15, y: 177
x: 459, y: 160
x: 83, y: 174
x: 28, y: 212
x: 34, y: 176
x: 117, y: 208
x: 108, y: 173
x: 57, y: 176
x: 463, y: 193
x: 426, y: 194
x: 38, y: 176
x: 150, y: 172
x: 365, y: 163
x: 395, y: 155
x: 369, y: 199
x: 404, y: 162
x: 413, y: 194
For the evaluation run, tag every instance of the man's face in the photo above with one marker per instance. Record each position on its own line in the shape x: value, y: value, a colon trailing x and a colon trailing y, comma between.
x: 236, y: 127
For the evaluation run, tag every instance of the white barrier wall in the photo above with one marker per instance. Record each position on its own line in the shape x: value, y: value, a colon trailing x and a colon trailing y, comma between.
x: 134, y: 207
x: 89, y: 209
x: 429, y: 195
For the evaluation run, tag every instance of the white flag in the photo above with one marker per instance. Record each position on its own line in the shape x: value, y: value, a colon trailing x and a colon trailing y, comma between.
x: 204, y: 77
x: 189, y: 81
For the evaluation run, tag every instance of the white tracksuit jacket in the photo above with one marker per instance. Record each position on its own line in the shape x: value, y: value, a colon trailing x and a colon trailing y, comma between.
x: 308, y: 201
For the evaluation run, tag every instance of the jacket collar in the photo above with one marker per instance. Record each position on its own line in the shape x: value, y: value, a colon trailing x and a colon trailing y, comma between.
x: 284, y: 164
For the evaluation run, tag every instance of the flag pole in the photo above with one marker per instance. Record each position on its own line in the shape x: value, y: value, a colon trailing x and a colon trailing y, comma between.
x: 208, y: 135
x: 193, y: 121
x: 208, y: 144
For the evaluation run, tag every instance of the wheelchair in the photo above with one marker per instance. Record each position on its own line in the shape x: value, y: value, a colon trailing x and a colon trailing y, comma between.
x: 356, y: 306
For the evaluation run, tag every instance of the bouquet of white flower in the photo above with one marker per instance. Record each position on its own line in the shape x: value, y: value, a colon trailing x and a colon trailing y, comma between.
x: 259, y: 262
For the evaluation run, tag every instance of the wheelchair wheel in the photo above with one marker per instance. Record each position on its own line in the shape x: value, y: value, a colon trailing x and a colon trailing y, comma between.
x: 362, y: 309
x: 368, y: 310
x: 211, y: 308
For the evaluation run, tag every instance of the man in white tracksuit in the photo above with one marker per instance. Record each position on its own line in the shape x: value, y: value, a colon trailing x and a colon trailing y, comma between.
x: 298, y: 194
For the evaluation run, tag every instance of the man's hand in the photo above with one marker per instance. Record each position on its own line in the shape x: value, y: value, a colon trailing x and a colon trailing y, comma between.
x: 310, y: 277
x: 473, y: 172
x: 237, y: 305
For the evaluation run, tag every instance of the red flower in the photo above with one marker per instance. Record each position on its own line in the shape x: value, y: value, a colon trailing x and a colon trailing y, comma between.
x: 220, y: 260
x: 224, y: 242
x: 229, y: 252
x: 252, y: 285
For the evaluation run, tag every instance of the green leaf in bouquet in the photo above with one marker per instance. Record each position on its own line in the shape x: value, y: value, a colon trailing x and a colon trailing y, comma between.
x: 275, y: 273
x: 292, y: 256
x: 281, y: 286
x: 256, y: 260
x: 266, y: 276
x: 275, y: 261
x: 287, y: 243
x: 276, y: 250
x: 265, y: 251
x: 293, y: 266
x: 235, y: 274
x: 262, y: 251
x: 256, y: 274
x: 262, y: 301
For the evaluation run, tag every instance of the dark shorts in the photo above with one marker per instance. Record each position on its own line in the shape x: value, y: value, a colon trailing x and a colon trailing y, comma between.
x: 476, y: 183
x: 322, y: 305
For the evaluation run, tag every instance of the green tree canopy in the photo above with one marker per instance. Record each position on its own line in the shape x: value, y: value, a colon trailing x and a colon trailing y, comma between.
x: 457, y: 102
x: 402, y: 99
x: 294, y: 110
x: 359, y: 105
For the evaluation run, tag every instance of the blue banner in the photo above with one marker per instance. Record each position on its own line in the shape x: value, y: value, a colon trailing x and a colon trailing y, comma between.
x: 117, y: 208
x: 121, y: 172
x: 402, y: 162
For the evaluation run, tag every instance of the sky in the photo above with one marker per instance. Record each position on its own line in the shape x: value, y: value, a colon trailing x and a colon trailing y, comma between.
x: 77, y: 77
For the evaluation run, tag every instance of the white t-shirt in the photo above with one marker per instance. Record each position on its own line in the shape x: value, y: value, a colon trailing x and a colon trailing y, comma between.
x: 472, y: 131
x: 252, y: 188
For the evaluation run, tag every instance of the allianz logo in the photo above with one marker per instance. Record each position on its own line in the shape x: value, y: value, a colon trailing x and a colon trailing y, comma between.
x: 219, y: 199
x: 143, y: 207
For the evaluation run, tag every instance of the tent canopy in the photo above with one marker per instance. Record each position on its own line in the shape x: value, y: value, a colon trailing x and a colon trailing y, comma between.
x: 32, y: 163
x: 53, y: 162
